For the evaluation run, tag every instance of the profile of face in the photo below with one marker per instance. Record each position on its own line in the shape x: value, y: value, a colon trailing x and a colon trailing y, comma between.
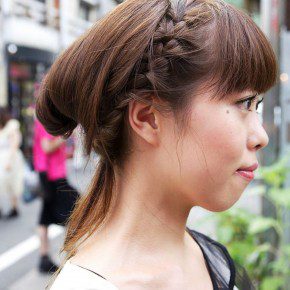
x: 222, y: 138
x: 203, y: 166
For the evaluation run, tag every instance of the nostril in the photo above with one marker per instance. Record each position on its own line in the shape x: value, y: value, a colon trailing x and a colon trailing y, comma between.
x: 258, y: 147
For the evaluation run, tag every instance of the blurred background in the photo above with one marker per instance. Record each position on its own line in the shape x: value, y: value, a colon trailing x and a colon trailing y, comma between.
x: 256, y: 230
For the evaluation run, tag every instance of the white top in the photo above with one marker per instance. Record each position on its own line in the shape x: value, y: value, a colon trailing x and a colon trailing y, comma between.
x: 11, y: 129
x: 73, y: 277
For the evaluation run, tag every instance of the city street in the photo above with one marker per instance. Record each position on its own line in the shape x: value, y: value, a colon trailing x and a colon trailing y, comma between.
x: 19, y: 241
x: 19, y: 250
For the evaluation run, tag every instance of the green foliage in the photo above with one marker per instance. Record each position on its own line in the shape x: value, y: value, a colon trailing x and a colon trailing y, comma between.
x: 242, y: 232
x: 272, y: 283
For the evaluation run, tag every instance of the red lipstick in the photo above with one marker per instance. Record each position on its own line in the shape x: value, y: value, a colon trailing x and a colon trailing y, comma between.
x: 248, y: 172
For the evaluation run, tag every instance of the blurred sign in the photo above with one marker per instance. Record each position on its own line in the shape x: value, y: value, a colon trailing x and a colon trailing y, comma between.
x: 19, y: 71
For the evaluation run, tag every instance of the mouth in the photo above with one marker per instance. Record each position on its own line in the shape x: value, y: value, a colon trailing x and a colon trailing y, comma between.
x: 247, y: 172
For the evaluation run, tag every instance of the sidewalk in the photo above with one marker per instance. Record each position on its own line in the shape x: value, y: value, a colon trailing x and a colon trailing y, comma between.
x: 25, y: 268
x: 34, y: 280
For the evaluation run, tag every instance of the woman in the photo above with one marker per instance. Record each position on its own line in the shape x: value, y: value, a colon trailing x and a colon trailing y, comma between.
x: 49, y: 158
x: 11, y: 162
x: 166, y: 93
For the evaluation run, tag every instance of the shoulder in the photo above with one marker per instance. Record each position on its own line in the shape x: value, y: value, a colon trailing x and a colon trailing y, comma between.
x: 73, y: 277
x: 218, y: 258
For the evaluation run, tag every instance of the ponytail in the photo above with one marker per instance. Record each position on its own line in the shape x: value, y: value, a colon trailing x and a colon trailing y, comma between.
x: 94, y: 206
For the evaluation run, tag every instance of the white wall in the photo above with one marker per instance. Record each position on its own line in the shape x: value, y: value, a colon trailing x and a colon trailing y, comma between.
x: 107, y: 5
x: 25, y: 32
x: 72, y: 26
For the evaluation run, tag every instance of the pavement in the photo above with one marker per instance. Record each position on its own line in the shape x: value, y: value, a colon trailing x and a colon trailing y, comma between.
x: 19, y: 244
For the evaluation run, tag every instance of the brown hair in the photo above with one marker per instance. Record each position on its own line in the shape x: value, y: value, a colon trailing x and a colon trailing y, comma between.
x: 145, y: 48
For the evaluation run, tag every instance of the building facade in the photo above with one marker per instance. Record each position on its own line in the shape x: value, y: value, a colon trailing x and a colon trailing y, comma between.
x: 32, y: 34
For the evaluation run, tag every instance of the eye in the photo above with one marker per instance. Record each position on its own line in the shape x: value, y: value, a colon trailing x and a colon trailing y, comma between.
x: 251, y: 103
x: 261, y: 99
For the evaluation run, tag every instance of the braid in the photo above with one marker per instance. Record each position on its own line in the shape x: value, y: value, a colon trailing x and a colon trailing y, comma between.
x: 154, y: 60
x: 162, y: 61
x: 167, y: 46
x: 106, y: 142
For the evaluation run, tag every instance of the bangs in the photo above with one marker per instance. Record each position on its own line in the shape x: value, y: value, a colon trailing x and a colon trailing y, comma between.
x: 244, y: 58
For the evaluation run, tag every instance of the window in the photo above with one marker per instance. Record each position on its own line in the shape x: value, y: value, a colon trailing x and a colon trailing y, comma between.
x: 85, y: 9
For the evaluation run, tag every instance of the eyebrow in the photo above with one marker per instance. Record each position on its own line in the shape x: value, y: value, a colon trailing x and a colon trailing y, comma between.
x: 252, y: 94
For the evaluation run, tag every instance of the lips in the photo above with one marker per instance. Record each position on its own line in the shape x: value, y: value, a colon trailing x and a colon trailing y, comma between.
x: 250, y: 168
x: 247, y: 172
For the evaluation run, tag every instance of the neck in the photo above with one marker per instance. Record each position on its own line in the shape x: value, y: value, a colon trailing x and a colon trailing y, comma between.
x: 146, y: 212
x: 147, y: 222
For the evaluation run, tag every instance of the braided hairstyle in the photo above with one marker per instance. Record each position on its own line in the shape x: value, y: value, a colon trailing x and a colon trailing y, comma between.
x: 161, y: 48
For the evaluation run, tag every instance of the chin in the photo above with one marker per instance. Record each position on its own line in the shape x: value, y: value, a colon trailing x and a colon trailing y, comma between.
x: 221, y: 205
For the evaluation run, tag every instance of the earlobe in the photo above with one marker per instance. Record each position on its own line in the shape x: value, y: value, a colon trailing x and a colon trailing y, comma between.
x: 143, y: 120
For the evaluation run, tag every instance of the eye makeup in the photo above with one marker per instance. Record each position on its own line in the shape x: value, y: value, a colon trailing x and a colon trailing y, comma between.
x: 248, y: 102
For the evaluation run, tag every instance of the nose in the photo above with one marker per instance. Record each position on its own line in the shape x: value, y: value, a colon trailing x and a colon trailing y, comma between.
x: 258, y: 138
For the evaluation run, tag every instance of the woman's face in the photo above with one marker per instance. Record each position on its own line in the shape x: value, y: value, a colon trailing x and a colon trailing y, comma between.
x: 221, y: 139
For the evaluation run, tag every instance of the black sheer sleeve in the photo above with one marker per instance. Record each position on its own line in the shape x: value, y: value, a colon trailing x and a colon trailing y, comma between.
x: 242, y: 280
x: 224, y: 274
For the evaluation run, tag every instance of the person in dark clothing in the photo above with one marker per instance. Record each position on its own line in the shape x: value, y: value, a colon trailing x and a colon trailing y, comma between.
x: 58, y: 196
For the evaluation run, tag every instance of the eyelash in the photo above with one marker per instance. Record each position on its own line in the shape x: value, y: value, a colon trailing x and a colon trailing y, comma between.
x: 251, y: 100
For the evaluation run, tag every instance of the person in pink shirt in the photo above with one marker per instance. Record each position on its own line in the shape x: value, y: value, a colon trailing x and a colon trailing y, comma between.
x: 49, y: 157
x: 39, y: 157
x: 56, y: 157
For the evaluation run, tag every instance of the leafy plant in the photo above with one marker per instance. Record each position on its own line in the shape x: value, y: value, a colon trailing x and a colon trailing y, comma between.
x: 242, y: 231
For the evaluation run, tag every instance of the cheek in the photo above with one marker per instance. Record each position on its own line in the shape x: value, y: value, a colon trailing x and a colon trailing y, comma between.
x: 223, y: 146
x: 211, y: 153
x: 218, y: 142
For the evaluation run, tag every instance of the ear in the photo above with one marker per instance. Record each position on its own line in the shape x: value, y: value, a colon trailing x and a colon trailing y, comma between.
x: 144, y: 120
